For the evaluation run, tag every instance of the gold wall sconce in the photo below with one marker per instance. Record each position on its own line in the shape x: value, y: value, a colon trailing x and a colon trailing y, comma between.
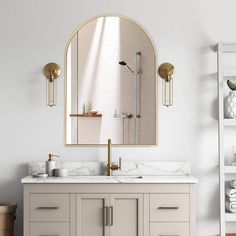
x: 166, y: 72
x: 51, y: 71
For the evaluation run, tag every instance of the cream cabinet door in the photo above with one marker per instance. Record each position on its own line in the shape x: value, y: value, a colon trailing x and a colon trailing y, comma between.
x: 92, y: 215
x: 126, y: 215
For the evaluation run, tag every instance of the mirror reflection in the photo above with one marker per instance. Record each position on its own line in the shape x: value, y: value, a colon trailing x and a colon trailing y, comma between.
x: 110, y: 84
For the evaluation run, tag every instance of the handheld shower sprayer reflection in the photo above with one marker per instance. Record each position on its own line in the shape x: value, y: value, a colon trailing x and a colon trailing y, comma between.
x: 123, y: 63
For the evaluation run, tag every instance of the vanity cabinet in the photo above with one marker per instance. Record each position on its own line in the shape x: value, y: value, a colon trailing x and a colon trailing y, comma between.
x: 109, y: 209
x: 109, y: 214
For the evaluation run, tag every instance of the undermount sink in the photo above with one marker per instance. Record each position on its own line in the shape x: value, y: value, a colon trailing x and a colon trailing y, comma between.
x: 104, y: 177
x: 128, y: 177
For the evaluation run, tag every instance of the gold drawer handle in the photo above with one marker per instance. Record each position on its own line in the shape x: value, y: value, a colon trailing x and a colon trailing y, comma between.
x: 168, y: 208
x: 49, y: 235
x: 168, y: 234
x: 48, y: 208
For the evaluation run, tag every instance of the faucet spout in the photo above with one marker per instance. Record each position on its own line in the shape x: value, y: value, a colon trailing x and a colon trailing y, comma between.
x: 110, y: 166
x: 109, y: 148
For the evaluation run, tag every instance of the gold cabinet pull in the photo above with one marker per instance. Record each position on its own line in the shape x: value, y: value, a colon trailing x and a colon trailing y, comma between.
x: 105, y: 216
x: 168, y: 208
x: 110, y: 215
x: 168, y: 234
x: 49, y: 235
x: 48, y: 208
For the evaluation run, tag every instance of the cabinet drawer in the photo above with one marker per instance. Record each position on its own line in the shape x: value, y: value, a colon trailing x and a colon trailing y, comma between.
x: 49, y: 229
x: 169, y: 207
x: 169, y: 229
x: 49, y: 207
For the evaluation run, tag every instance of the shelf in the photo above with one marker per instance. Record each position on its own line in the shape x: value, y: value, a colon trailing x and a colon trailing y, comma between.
x: 226, y: 47
x: 229, y: 73
x: 230, y: 169
x: 229, y: 122
x: 86, y: 115
x: 230, y: 217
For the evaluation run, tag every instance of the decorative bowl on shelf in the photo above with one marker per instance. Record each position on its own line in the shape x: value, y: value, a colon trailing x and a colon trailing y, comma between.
x: 93, y: 112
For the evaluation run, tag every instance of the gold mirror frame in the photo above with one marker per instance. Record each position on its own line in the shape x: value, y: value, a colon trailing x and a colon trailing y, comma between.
x: 65, y: 85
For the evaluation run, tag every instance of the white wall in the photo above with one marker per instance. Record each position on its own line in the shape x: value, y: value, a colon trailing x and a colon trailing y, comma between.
x: 36, y: 32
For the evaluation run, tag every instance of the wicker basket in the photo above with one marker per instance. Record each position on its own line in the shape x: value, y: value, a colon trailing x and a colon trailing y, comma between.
x: 7, y: 218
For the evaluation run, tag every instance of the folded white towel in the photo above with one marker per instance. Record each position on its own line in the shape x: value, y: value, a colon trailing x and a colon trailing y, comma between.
x: 230, y: 192
x: 233, y: 183
x: 230, y: 206
x: 231, y: 199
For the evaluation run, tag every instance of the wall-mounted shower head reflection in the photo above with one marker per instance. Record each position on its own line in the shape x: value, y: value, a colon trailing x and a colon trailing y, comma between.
x: 136, y: 75
x: 123, y: 63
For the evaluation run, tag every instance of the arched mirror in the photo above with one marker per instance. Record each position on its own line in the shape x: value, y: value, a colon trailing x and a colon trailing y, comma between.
x: 110, y: 70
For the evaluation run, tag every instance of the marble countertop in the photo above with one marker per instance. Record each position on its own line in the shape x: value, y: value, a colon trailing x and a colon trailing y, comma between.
x: 184, y: 179
x: 131, y: 173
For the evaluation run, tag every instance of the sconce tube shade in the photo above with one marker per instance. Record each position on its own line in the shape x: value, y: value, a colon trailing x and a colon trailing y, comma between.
x: 51, y: 92
x: 167, y: 93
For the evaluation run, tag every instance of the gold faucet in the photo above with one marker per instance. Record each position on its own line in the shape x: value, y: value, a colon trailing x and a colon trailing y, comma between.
x: 110, y: 166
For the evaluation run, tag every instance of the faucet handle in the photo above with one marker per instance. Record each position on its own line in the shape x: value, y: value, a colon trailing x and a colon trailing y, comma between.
x: 119, y: 163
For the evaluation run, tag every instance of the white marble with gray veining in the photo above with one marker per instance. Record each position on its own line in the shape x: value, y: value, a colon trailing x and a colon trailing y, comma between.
x: 184, y: 179
x: 128, y: 168
x: 131, y: 172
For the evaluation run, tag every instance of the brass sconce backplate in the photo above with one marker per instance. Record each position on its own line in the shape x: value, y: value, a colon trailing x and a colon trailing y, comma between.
x: 166, y: 71
x: 52, y: 71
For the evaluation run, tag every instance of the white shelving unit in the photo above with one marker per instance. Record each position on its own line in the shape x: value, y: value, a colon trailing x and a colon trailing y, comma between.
x: 230, y: 217
x: 229, y: 122
x: 230, y: 169
x: 222, y: 124
x: 229, y: 73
